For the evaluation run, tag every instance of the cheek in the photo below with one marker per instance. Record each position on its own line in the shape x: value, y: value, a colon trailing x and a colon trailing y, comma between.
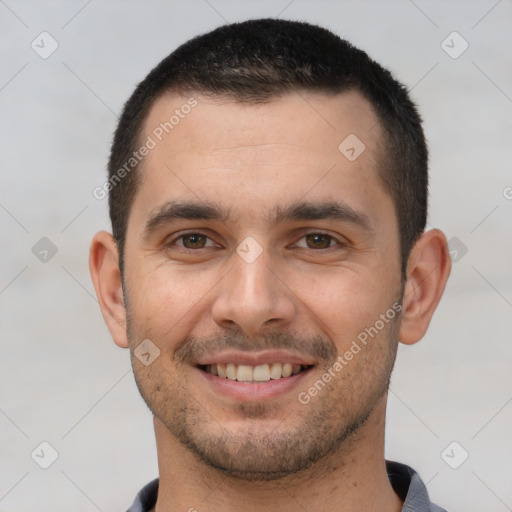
x: 342, y: 302
x: 166, y: 302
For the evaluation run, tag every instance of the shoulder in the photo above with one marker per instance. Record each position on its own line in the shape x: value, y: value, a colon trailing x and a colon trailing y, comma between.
x: 410, y: 488
x: 146, y: 498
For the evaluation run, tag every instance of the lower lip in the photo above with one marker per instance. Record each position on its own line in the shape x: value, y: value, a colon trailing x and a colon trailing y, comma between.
x: 249, y: 391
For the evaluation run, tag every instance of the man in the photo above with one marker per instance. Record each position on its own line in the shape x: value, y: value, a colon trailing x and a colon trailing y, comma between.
x: 268, y: 198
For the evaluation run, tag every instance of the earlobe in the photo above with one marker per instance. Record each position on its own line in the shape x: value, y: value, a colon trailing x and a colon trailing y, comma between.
x: 106, y: 277
x: 428, y: 269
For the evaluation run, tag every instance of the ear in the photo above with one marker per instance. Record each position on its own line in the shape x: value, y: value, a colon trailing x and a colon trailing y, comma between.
x: 106, y: 276
x: 428, y: 269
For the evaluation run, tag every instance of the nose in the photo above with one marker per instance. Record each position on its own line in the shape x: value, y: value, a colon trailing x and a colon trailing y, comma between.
x: 253, y: 298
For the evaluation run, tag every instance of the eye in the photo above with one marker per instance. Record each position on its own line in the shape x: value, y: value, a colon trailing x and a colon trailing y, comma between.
x: 193, y: 241
x: 317, y: 241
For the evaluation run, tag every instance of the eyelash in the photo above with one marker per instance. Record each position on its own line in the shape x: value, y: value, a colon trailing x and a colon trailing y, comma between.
x: 336, y: 243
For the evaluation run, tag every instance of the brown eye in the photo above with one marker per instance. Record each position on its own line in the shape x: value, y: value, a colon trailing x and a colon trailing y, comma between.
x: 318, y: 241
x: 193, y: 241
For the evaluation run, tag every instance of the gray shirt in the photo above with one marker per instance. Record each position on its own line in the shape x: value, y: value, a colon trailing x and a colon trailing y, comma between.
x: 405, y: 481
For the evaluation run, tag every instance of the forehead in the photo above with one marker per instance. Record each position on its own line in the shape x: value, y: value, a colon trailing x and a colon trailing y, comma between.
x: 299, y: 118
x: 278, y: 151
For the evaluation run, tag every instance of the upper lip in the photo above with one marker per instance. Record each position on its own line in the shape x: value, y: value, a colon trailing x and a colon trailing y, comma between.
x: 255, y: 358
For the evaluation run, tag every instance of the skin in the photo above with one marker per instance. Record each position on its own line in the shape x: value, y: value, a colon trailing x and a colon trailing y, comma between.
x: 311, y: 296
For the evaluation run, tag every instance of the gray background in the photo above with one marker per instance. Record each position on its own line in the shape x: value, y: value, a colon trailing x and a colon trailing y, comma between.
x: 62, y: 379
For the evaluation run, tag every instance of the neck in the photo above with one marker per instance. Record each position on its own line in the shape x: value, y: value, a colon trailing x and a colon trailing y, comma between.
x: 352, y: 479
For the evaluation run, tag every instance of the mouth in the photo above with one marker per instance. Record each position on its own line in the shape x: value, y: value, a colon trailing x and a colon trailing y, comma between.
x: 253, y: 377
x: 254, y: 374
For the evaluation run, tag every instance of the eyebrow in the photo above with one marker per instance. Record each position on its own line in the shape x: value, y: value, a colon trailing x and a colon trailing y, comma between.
x: 188, y: 210
x: 336, y: 210
x: 297, y: 211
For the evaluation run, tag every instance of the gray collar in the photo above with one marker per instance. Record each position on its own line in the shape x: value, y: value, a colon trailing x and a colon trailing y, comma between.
x: 405, y: 481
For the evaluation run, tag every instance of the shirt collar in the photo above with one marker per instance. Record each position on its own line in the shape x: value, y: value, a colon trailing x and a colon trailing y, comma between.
x: 410, y: 489
x: 404, y: 480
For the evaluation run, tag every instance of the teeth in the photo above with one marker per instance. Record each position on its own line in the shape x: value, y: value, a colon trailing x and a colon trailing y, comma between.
x: 244, y: 373
x: 231, y: 371
x: 260, y: 373
x: 275, y: 372
x: 287, y: 370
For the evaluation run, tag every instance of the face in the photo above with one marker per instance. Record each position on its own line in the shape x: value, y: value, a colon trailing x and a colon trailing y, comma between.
x: 257, y: 257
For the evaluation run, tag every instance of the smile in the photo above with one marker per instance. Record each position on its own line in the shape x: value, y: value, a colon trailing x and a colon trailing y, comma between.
x: 253, y: 376
x: 258, y: 373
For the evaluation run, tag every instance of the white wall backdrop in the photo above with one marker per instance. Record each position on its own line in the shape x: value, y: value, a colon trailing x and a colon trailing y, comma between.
x: 64, y: 382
